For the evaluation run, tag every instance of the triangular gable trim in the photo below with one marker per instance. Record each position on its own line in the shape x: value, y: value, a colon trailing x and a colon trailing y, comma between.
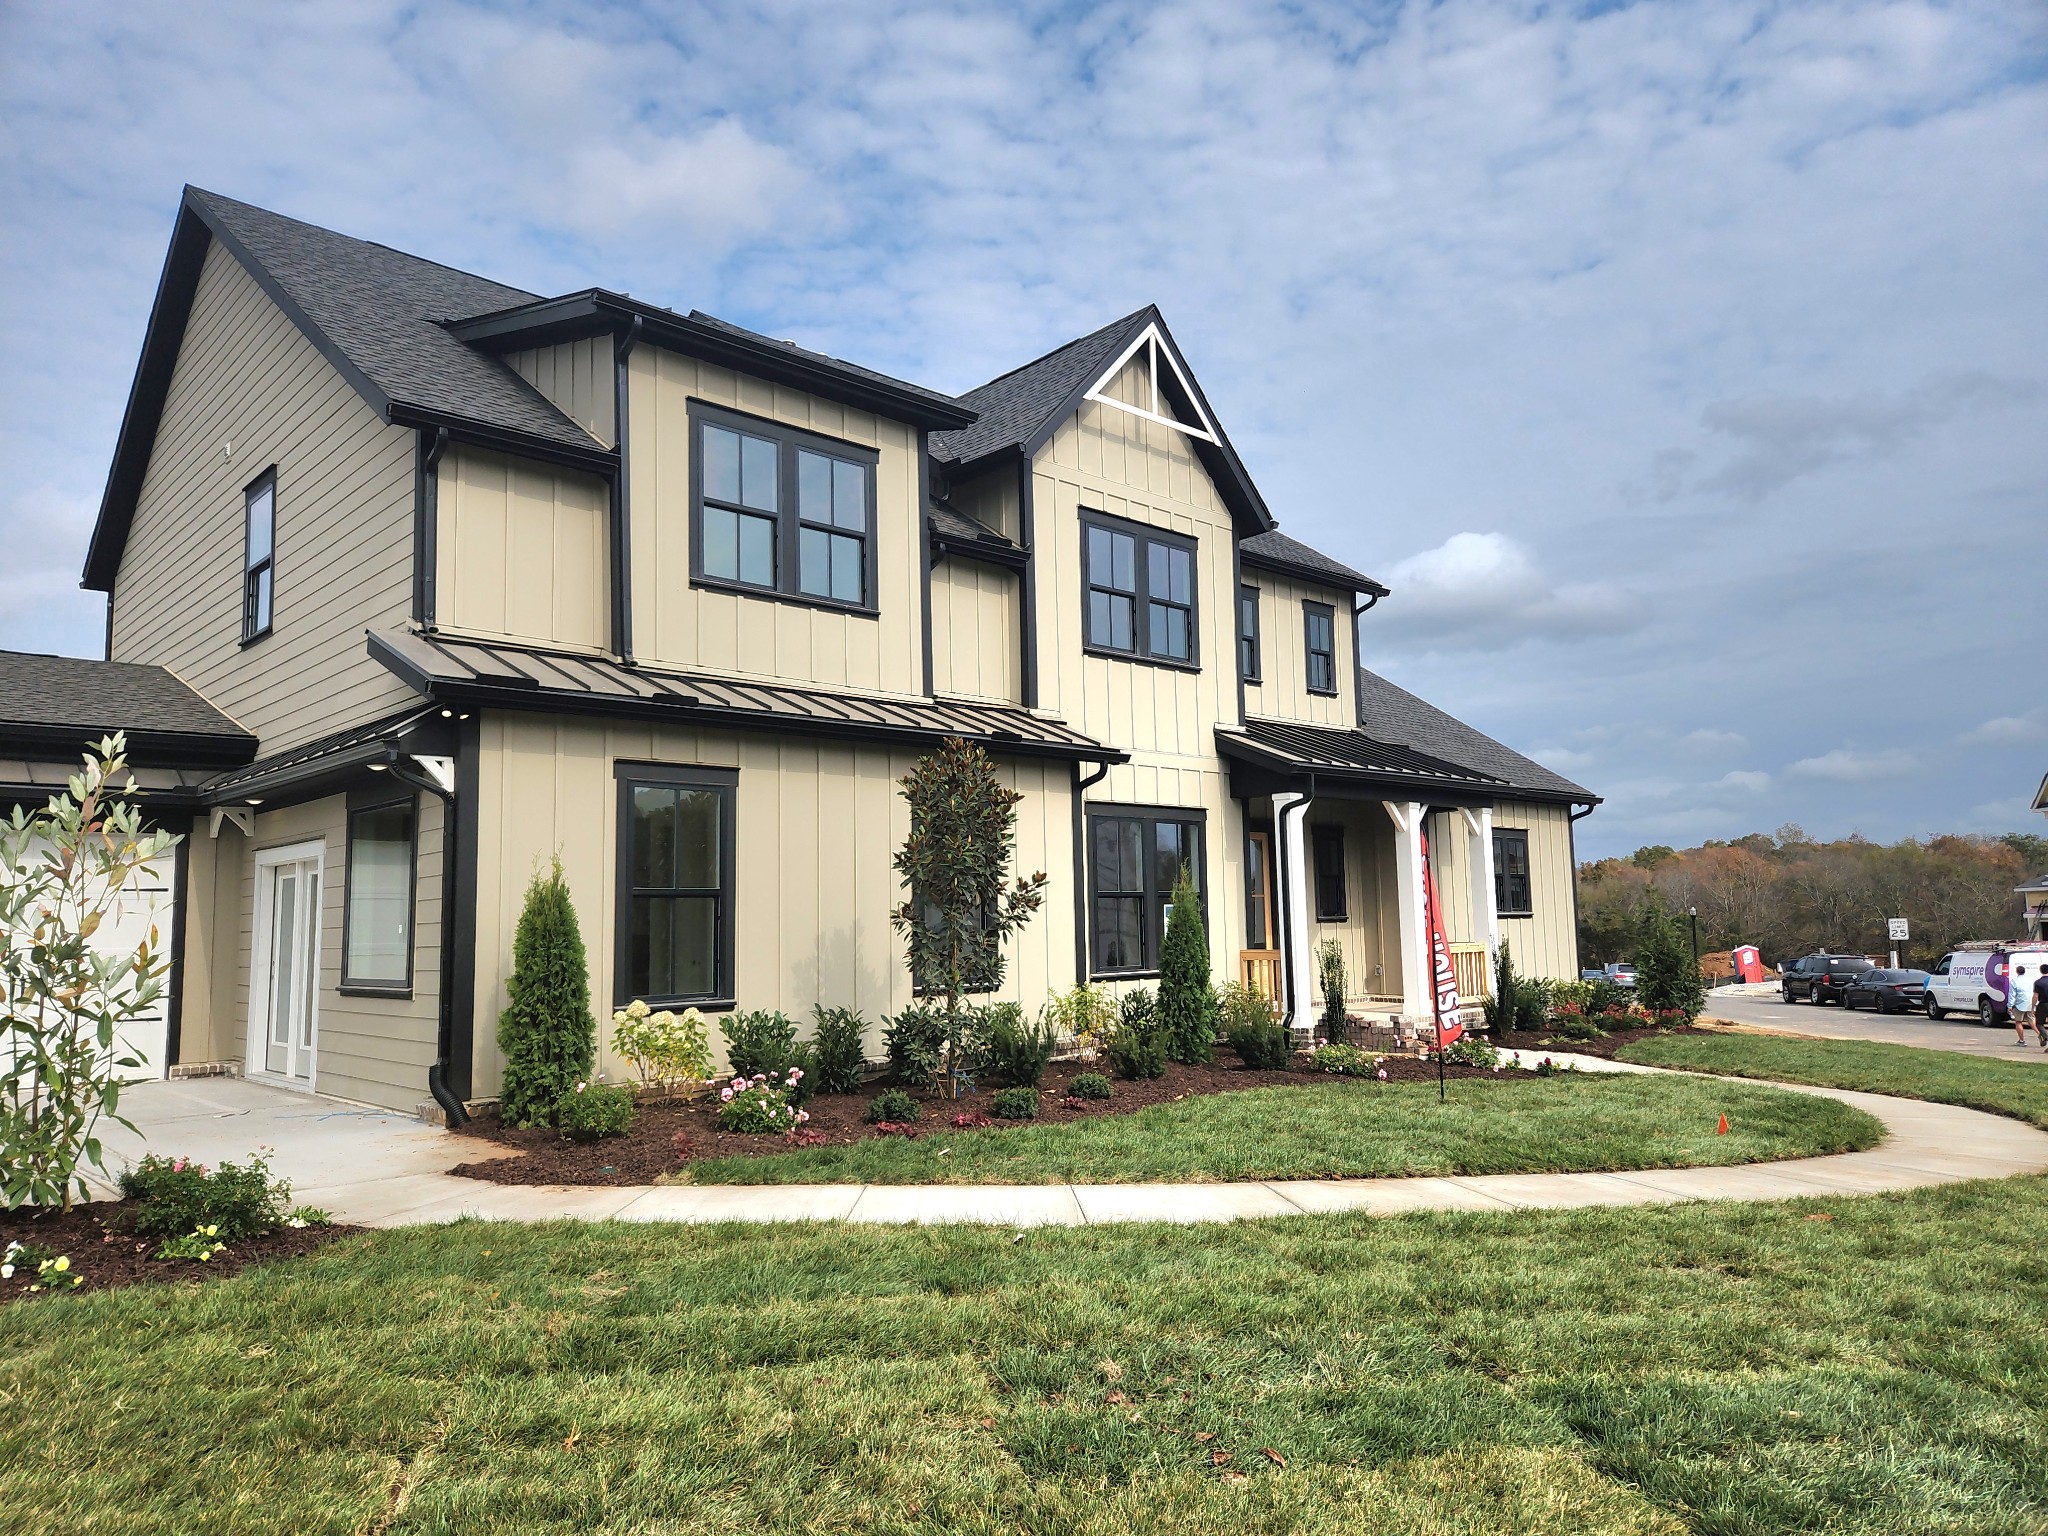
x: 1154, y: 345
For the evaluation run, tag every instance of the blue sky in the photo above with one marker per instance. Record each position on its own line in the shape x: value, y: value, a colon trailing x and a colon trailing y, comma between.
x: 1682, y: 367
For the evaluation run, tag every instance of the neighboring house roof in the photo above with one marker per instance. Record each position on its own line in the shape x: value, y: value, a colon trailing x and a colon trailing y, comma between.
x: 1274, y: 551
x: 58, y: 705
x: 2030, y: 887
x: 1288, y: 748
x: 1019, y: 411
x: 1390, y: 713
x: 469, y: 672
x: 2041, y: 795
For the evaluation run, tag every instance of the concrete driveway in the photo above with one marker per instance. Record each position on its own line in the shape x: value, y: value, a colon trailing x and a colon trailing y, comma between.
x: 1957, y: 1032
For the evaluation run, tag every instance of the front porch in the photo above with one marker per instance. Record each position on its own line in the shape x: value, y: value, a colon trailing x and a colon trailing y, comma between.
x: 1342, y: 862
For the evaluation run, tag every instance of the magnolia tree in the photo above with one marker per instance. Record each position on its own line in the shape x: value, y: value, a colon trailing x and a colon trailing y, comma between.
x: 64, y: 873
x: 956, y: 868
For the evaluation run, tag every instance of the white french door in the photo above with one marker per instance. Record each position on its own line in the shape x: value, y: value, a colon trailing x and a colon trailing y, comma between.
x: 284, y: 972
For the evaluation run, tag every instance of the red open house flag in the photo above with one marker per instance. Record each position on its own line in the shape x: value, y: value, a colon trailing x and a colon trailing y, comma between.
x: 1449, y: 1026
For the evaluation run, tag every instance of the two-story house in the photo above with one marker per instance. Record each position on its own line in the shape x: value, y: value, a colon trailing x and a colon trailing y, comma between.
x: 416, y: 582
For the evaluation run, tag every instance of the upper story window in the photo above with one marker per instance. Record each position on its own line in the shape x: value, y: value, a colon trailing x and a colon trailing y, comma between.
x: 1320, y: 625
x: 1140, y: 591
x: 259, y: 547
x: 1248, y: 633
x: 782, y: 511
x: 1511, y: 894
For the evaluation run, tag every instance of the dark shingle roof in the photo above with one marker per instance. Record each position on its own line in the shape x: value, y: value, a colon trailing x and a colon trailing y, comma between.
x: 957, y: 530
x: 69, y: 693
x: 1389, y: 713
x: 1015, y: 407
x: 381, y: 310
x: 1274, y: 551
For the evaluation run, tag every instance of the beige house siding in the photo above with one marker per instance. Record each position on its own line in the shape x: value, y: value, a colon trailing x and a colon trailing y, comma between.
x: 678, y: 625
x: 817, y: 827
x: 1370, y: 932
x: 976, y: 650
x: 522, y: 550
x: 374, y: 1050
x: 576, y: 377
x: 1547, y: 943
x: 1282, y: 690
x: 992, y: 500
x: 250, y: 391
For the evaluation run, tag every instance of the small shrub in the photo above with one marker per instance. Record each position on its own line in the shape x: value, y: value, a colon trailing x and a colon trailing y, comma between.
x: 1532, y: 1003
x: 1014, y: 1104
x: 1604, y: 996
x: 1090, y: 1085
x: 592, y: 1111
x: 761, y: 1043
x: 663, y: 1047
x: 915, y: 1041
x: 1471, y: 1051
x: 1667, y: 976
x: 1015, y: 1052
x: 546, y: 1031
x: 53, y: 1269
x: 1330, y: 971
x: 1575, y: 1026
x: 1548, y: 1068
x: 173, y: 1197
x: 762, y: 1105
x: 839, y: 1049
x: 1137, y: 1048
x: 1187, y: 999
x: 309, y: 1216
x: 1343, y: 1061
x: 1252, y: 1025
x: 893, y: 1106
x: 200, y: 1245
x: 1086, y: 1015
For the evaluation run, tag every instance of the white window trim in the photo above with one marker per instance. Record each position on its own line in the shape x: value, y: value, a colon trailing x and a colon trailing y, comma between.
x: 1150, y: 337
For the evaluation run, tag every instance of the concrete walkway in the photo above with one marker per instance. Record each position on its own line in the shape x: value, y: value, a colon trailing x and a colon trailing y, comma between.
x: 386, y: 1170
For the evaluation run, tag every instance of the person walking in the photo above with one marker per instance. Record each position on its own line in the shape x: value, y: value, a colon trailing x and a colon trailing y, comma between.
x: 2040, y: 1010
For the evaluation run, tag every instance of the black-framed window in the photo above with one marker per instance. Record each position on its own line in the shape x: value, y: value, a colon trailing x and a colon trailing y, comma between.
x: 1140, y: 591
x: 377, y: 911
x: 1319, y: 634
x: 1135, y: 854
x: 259, y: 554
x: 780, y: 511
x: 675, y: 884
x: 1512, y: 896
x: 1248, y: 633
x: 1332, y: 906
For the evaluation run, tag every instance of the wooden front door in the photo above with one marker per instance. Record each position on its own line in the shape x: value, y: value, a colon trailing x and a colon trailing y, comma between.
x: 1259, y: 963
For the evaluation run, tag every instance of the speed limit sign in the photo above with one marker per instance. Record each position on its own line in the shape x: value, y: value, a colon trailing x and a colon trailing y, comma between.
x: 1898, y: 930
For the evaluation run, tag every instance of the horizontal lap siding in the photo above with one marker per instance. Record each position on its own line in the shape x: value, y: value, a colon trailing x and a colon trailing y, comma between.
x: 818, y: 827
x: 522, y: 550
x: 974, y: 631
x: 1282, y: 690
x: 1545, y: 944
x: 372, y: 1049
x: 676, y: 624
x: 249, y: 390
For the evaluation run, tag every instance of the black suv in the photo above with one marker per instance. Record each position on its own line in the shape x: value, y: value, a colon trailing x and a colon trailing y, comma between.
x: 1819, y: 978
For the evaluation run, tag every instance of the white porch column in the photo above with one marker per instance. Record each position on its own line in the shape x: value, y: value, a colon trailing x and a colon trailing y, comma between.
x: 1417, y: 997
x: 1290, y: 814
x: 1485, y: 914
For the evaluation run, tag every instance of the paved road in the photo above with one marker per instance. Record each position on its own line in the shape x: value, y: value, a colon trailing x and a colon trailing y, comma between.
x: 1957, y: 1032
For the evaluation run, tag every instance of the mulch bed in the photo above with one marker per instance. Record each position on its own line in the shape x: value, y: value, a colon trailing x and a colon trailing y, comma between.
x: 1550, y: 1042
x: 101, y: 1248
x: 650, y: 1149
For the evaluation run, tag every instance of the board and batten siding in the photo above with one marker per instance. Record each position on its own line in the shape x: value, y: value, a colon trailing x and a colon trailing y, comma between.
x: 578, y: 379
x: 1370, y: 932
x: 1105, y: 460
x: 250, y: 391
x: 521, y: 550
x: 679, y: 625
x: 1282, y: 690
x: 818, y: 824
x: 991, y: 499
x: 374, y: 1050
x: 976, y: 650
x: 1545, y: 944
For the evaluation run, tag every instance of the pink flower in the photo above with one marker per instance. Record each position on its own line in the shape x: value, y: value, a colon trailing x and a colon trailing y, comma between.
x: 725, y: 1095
x: 178, y: 1166
x: 581, y: 1086
x: 803, y: 1117
x: 1383, y: 1074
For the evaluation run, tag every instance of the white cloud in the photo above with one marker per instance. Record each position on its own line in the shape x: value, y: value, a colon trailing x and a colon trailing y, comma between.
x: 1564, y: 759
x: 1748, y: 780
x: 1486, y: 591
x: 1845, y: 765
x: 1720, y: 742
x: 2011, y: 730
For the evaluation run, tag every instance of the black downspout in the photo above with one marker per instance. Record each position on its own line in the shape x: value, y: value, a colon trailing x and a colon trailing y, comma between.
x: 1081, y: 784
x: 1283, y: 870
x: 1571, y: 833
x: 426, y: 534
x: 174, y: 1005
x: 925, y: 558
x: 444, y: 1041
x: 1027, y: 597
x: 622, y: 496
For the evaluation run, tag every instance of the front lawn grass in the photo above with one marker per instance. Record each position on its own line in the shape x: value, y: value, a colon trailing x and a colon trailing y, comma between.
x: 1866, y: 1366
x: 1510, y: 1124
x: 2016, y: 1088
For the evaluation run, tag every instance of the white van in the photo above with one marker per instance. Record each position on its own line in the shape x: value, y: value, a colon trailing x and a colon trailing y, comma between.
x: 1983, y: 981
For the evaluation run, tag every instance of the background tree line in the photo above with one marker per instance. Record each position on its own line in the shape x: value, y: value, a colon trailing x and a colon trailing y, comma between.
x: 1790, y: 895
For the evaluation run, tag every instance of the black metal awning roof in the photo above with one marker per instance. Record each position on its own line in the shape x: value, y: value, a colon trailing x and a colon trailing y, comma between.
x: 473, y: 673
x: 1280, y: 752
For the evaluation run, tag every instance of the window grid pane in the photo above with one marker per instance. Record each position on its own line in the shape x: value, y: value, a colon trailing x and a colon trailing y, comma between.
x: 1134, y: 862
x: 676, y: 897
x: 380, y: 895
x: 756, y: 521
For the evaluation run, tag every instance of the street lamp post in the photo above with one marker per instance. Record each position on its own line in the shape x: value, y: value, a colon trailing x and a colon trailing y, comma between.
x: 1694, y: 914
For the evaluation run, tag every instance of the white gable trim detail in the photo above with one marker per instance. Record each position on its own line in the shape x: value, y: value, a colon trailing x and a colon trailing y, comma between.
x: 1150, y: 338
